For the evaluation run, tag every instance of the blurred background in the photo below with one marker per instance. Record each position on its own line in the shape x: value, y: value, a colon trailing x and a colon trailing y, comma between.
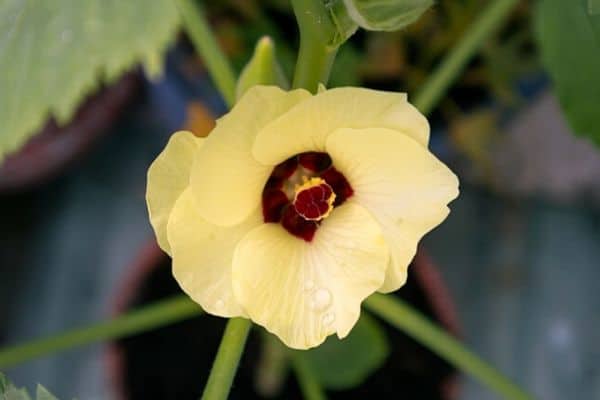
x: 518, y: 254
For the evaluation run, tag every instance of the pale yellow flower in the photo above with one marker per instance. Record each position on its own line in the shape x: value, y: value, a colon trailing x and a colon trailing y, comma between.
x: 298, y: 206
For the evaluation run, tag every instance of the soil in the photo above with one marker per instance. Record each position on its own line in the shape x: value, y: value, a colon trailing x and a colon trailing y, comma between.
x: 174, y: 362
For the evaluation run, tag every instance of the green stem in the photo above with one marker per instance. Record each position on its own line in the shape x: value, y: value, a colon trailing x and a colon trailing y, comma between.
x: 315, y: 56
x: 227, y: 360
x: 272, y: 367
x: 454, y: 63
x: 197, y: 27
x: 152, y: 316
x: 404, y: 317
x: 311, y: 389
x: 313, y: 65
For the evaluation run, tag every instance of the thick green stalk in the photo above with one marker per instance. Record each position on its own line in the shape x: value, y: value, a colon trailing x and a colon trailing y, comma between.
x: 227, y: 360
x: 458, y: 57
x: 313, y: 65
x: 198, y: 29
x: 150, y: 317
x: 316, y: 54
x: 311, y: 389
x: 412, y: 322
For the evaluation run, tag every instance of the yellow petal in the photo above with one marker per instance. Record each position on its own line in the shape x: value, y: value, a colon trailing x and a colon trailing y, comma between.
x: 202, y: 256
x: 307, y: 126
x: 227, y: 181
x: 303, y: 291
x: 168, y: 176
x: 400, y: 182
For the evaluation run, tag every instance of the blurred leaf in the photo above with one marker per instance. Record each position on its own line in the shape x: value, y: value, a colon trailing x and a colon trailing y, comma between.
x: 9, y: 392
x: 54, y: 52
x: 569, y: 38
x: 343, y: 364
x: 262, y: 69
x: 345, y: 70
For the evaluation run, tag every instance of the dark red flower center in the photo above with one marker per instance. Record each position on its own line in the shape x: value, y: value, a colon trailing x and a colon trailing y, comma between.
x: 302, y: 191
x: 314, y: 199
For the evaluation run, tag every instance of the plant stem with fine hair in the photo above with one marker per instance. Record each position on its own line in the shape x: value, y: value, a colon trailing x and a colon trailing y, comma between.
x: 316, y: 55
x: 149, y: 317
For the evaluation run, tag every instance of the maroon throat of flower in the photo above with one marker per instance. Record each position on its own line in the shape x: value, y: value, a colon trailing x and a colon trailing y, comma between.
x: 302, y: 191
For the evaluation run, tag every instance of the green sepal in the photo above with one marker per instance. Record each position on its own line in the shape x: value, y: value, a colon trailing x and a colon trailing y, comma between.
x: 380, y: 15
x: 262, y: 69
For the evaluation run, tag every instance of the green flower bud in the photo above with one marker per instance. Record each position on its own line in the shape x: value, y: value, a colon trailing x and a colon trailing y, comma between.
x: 262, y: 69
x: 380, y: 15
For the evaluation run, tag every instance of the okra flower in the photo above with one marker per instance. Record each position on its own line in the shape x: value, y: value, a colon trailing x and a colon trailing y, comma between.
x: 297, y: 207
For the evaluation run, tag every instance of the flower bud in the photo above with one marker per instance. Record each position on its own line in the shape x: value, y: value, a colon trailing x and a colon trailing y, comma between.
x: 262, y: 69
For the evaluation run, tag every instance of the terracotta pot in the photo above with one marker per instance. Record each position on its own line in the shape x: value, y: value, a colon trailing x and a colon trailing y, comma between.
x: 51, y: 150
x: 426, y: 280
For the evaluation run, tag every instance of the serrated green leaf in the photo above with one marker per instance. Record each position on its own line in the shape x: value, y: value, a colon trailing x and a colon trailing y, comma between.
x: 12, y: 393
x: 262, y: 69
x: 54, y: 52
x: 9, y: 392
x: 43, y: 394
x: 343, y: 364
x: 569, y: 39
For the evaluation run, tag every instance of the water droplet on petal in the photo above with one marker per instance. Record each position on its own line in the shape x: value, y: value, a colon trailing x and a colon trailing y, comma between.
x: 321, y: 299
x: 328, y: 319
x: 308, y: 285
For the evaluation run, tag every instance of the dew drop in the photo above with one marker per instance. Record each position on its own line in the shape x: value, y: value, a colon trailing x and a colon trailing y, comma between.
x: 308, y: 285
x: 220, y: 304
x: 328, y: 319
x: 321, y: 299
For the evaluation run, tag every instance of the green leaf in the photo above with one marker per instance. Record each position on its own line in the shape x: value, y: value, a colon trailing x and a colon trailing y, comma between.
x: 569, y: 39
x: 9, y: 392
x: 262, y: 69
x: 55, y: 52
x: 43, y: 394
x: 12, y: 393
x: 343, y: 364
